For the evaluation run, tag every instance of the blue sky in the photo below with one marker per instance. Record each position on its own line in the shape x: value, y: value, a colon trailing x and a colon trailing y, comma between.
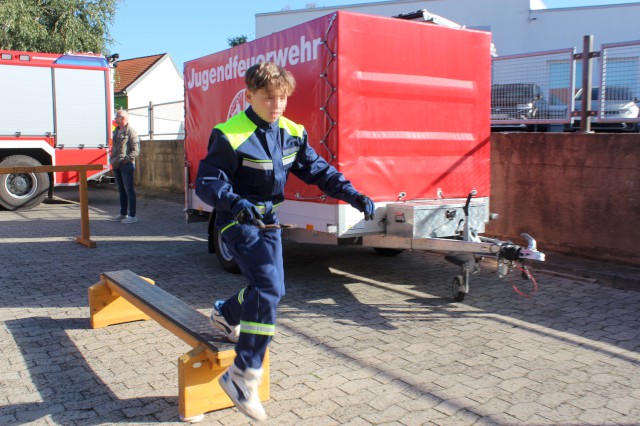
x: 193, y: 28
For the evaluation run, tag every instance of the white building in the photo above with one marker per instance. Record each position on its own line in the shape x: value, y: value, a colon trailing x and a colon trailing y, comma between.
x: 518, y: 26
x: 156, y: 80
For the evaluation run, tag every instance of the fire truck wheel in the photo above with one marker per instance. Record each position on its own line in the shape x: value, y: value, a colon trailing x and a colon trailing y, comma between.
x: 222, y: 253
x: 389, y: 252
x: 22, y: 190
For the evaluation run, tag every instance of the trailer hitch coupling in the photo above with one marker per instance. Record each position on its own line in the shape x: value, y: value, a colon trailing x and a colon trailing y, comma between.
x: 531, y: 252
x: 515, y: 252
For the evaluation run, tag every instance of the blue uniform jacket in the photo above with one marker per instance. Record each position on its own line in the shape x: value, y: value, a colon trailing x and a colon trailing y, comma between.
x: 251, y: 159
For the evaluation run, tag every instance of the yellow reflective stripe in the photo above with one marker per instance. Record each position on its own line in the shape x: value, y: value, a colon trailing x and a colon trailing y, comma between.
x: 237, y: 129
x: 294, y: 129
x: 257, y: 164
x: 229, y: 226
x: 289, y: 159
x: 241, y: 296
x: 276, y: 206
x: 257, y: 328
x: 261, y: 208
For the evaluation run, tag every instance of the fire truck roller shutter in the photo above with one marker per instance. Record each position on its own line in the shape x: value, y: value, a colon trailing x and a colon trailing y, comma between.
x: 81, y: 108
x: 22, y: 190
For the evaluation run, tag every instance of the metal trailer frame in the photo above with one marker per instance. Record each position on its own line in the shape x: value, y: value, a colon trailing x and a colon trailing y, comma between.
x: 465, y: 250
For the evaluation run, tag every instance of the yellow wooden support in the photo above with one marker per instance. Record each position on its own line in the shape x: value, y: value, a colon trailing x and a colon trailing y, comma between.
x: 199, y: 391
x: 85, y: 233
x: 108, y: 307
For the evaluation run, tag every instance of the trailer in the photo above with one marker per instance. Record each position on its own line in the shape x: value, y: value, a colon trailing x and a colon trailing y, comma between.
x: 56, y: 111
x: 401, y: 107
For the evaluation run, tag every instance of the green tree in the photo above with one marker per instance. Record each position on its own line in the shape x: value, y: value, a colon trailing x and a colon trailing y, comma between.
x: 57, y: 25
x: 235, y: 41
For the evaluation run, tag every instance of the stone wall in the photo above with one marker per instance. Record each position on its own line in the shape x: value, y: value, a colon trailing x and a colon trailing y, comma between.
x: 161, y: 165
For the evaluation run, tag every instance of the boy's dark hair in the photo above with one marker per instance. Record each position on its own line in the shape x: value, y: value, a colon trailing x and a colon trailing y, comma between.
x: 270, y: 76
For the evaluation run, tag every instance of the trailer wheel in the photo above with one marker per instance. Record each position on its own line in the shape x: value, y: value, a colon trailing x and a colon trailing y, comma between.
x: 458, y: 288
x: 389, y: 252
x: 211, y: 234
x: 222, y: 253
x: 22, y: 190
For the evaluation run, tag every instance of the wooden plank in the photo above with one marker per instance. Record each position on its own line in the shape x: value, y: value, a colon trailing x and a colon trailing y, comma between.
x: 50, y: 169
x: 170, y: 312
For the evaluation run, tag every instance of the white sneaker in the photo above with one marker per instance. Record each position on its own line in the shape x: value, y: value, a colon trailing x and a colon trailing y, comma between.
x: 118, y: 218
x: 129, y: 219
x: 242, y: 388
x: 217, y: 320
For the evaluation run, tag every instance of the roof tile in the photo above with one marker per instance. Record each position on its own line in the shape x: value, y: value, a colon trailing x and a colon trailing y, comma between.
x: 129, y: 70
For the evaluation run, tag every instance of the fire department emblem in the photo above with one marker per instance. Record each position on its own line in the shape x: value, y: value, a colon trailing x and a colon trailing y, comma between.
x: 238, y: 104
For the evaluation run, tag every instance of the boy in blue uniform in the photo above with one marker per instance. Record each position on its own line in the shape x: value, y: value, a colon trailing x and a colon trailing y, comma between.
x: 243, y: 178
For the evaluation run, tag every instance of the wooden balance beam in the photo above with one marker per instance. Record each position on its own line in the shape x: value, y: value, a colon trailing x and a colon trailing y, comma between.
x: 85, y: 237
x: 122, y: 296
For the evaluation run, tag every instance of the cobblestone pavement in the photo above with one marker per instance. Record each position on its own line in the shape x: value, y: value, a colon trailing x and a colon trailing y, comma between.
x: 361, y: 339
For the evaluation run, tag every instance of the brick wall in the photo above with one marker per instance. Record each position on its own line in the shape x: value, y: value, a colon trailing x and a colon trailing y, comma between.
x: 575, y: 193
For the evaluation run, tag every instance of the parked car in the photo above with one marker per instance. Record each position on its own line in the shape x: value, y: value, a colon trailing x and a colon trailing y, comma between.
x: 619, y: 105
x: 516, y: 101
x: 555, y: 109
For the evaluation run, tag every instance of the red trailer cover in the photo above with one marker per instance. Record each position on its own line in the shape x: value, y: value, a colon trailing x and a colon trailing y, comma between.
x: 396, y: 105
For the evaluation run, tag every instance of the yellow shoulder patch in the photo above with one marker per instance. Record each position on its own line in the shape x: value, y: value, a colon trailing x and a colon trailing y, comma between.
x: 294, y: 129
x: 237, y: 129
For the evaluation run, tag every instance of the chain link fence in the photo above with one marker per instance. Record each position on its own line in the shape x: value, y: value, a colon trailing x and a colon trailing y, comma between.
x: 532, y: 90
x: 542, y: 90
x: 158, y: 121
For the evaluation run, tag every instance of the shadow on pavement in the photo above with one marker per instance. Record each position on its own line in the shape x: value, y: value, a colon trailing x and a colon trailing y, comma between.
x: 67, y: 389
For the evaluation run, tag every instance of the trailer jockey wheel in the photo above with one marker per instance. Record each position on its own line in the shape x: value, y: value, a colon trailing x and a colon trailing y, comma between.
x: 459, y: 288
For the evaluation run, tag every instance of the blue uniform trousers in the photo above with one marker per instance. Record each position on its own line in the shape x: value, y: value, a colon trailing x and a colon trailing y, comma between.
x: 259, y: 256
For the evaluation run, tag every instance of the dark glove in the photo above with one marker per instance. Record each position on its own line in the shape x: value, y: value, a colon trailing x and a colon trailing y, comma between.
x: 365, y: 205
x: 246, y: 213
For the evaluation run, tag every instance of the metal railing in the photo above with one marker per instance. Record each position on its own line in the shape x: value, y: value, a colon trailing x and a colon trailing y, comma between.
x: 163, y: 119
x: 620, y: 83
x: 542, y: 89
x: 532, y: 89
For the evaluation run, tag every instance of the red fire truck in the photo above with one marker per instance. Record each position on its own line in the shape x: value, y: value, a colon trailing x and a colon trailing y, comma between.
x: 402, y: 108
x: 56, y: 110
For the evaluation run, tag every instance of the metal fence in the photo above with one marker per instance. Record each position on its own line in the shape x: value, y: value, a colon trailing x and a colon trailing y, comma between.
x: 543, y: 90
x: 158, y: 121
